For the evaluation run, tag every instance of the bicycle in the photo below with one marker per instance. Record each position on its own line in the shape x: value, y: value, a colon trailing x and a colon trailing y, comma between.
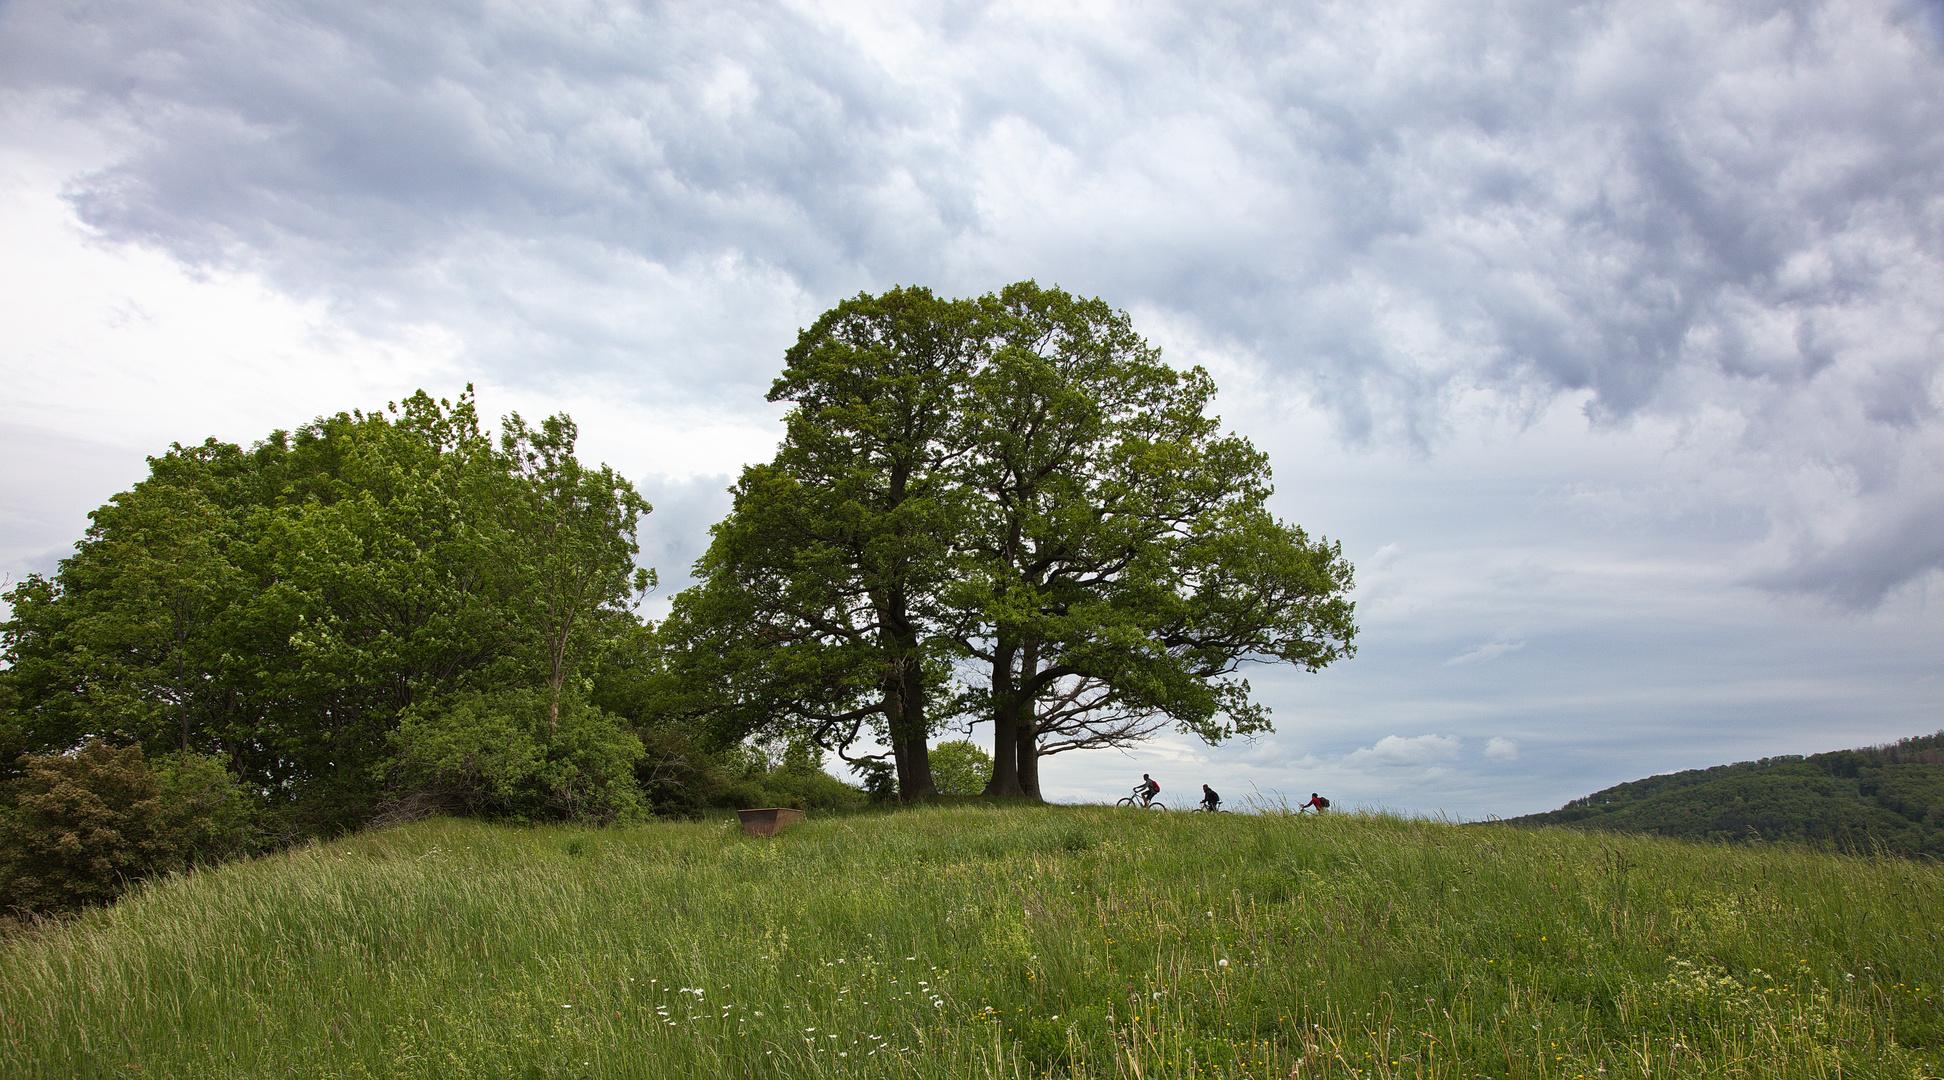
x: 1204, y: 808
x: 1133, y: 802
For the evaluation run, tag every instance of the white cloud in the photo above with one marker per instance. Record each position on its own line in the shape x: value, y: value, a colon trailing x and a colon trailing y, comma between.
x: 1397, y: 751
x: 1490, y: 650
x: 1502, y: 749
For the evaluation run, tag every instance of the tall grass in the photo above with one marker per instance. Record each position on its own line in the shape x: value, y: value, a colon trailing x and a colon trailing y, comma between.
x: 976, y: 941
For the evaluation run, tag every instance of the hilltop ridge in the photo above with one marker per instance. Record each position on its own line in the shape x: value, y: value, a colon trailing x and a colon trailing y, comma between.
x: 1880, y: 798
x: 986, y: 940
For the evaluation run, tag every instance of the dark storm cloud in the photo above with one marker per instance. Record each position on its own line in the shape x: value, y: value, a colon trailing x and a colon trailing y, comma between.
x: 1670, y: 208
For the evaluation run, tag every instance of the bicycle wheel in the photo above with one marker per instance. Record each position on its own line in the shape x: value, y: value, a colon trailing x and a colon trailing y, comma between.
x: 1127, y: 801
x: 1157, y: 806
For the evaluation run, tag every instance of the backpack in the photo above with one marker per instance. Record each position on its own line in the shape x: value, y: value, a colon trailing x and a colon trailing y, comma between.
x: 1322, y: 803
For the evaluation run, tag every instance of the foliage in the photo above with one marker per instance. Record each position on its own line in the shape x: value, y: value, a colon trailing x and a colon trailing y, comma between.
x: 213, y: 816
x: 793, y: 777
x: 1888, y: 798
x: 684, y: 778
x: 974, y: 940
x: 1119, y: 563
x: 816, y: 615
x: 803, y: 790
x: 574, y: 531
x: 959, y: 767
x: 679, y: 776
x: 83, y: 826
x: 286, y: 605
x: 880, y: 780
x: 517, y: 753
x: 1016, y: 481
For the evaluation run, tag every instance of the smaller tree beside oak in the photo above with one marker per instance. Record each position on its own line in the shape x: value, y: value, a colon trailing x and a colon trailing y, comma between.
x: 818, y: 616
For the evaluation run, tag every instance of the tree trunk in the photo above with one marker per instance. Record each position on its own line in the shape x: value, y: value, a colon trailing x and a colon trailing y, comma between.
x: 904, y: 706
x: 1026, y: 724
x: 556, y: 673
x: 1005, y: 724
x: 1028, y: 754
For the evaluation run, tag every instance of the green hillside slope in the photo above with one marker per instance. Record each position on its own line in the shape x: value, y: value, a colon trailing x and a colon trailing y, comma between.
x: 1883, y: 798
x: 978, y: 942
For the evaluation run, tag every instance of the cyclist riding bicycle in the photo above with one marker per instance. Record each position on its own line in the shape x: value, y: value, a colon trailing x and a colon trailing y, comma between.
x: 1147, y: 789
x: 1211, y: 802
x: 1317, y: 802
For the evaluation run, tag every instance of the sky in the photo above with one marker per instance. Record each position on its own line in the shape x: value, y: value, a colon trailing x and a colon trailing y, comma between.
x: 1607, y: 338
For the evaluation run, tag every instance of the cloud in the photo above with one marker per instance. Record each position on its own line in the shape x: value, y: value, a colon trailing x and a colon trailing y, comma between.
x: 1491, y: 650
x: 1500, y: 748
x: 676, y: 533
x: 1396, y: 752
x: 1885, y: 542
x: 1670, y: 208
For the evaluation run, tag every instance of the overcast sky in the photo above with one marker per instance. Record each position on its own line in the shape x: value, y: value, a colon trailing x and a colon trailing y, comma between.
x: 1607, y: 337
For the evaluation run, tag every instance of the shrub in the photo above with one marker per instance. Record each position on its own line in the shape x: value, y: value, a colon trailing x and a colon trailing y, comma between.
x: 85, y: 825
x: 960, y: 768
x: 212, y: 814
x: 880, y: 780
x: 795, y: 777
x: 494, y: 755
x: 677, y: 775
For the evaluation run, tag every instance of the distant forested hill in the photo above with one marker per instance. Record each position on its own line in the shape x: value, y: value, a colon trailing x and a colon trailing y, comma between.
x: 1887, y: 797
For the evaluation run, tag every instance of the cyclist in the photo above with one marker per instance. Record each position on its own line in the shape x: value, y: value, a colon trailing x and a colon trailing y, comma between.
x: 1147, y: 789
x: 1317, y: 802
x: 1211, y: 802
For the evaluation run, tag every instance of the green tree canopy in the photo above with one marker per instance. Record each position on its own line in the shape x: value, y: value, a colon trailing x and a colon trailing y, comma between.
x: 284, y: 606
x: 959, y: 767
x: 1018, y: 481
x: 818, y: 609
x: 1120, y: 563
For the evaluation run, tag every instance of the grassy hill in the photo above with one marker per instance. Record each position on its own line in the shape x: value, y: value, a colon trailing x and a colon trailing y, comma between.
x: 1883, y: 798
x: 976, y: 941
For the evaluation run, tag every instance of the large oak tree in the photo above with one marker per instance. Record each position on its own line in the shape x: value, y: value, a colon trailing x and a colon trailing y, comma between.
x: 1021, y: 482
x: 1120, y: 564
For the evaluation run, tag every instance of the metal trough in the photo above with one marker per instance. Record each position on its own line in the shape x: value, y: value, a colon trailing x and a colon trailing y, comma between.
x: 768, y: 821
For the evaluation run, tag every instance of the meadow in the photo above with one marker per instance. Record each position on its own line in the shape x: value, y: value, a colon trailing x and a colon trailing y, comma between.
x: 995, y: 941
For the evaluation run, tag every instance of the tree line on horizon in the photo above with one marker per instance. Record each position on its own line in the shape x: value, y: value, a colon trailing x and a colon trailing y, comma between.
x: 1869, y: 800
x: 1004, y: 510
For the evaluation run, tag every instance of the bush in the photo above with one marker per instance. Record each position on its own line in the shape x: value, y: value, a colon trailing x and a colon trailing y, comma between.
x: 677, y: 775
x: 960, y: 768
x: 794, y: 778
x: 83, y: 826
x: 880, y: 779
x: 802, y: 790
x: 494, y: 755
x: 214, y: 816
